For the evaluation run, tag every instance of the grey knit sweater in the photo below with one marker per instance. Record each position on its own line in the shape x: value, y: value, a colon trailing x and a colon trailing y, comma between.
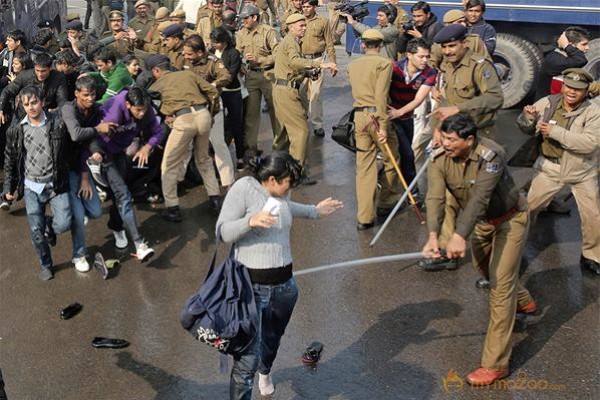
x: 258, y: 248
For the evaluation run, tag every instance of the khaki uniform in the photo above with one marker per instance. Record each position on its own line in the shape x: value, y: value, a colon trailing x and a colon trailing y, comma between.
x: 370, y: 78
x: 212, y: 70
x: 473, y: 86
x: 569, y: 156
x: 121, y: 47
x: 290, y: 105
x: 203, y: 11
x: 141, y: 28
x: 261, y: 42
x: 284, y: 4
x: 316, y: 41
x: 176, y: 56
x: 474, y: 43
x: 337, y: 26
x: 497, y: 217
x: 206, y: 25
x: 401, y: 18
x: 283, y: 30
x: 185, y: 92
x: 153, y: 41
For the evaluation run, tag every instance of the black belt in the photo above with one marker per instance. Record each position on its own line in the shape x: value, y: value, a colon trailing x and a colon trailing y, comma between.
x: 555, y: 160
x: 284, y: 82
x: 262, y: 69
x: 188, y: 110
x: 366, y: 109
x: 312, y: 56
x: 271, y: 276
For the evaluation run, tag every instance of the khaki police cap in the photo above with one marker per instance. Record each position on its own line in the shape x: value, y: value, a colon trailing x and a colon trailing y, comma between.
x: 577, y: 78
x: 141, y: 3
x: 453, y: 15
x: 163, y: 25
x: 178, y: 14
x: 292, y: 19
x: 72, y: 17
x: 162, y: 13
x: 372, y: 34
x: 115, y: 15
x: 248, y: 11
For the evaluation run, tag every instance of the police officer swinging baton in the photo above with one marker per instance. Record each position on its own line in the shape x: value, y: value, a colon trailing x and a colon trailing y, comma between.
x: 364, y: 261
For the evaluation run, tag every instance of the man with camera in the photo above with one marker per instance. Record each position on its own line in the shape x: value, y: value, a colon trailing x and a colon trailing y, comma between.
x: 386, y: 14
x: 424, y: 24
x: 291, y: 69
x: 317, y: 40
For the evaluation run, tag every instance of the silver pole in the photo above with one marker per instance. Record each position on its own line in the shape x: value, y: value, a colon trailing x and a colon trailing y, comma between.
x: 364, y: 261
x: 397, y: 206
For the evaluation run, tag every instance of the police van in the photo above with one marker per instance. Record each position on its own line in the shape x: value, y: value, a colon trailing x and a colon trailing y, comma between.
x: 526, y: 31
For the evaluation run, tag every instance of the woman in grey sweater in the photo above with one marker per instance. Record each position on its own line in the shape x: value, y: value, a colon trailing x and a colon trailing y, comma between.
x: 257, y: 217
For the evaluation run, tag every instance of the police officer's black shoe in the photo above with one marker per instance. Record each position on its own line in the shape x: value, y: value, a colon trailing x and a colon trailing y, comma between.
x: 558, y: 207
x: 482, y: 283
x: 172, y: 214
x: 591, y: 265
x: 215, y: 204
x: 364, y: 227
x: 438, y: 264
x: 320, y: 132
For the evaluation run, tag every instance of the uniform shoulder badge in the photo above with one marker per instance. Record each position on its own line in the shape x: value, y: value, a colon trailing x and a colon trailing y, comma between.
x: 492, y: 167
x: 487, y: 154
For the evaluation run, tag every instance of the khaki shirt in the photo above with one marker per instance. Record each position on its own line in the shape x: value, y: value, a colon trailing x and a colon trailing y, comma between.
x: 289, y: 64
x: 122, y: 47
x: 203, y: 11
x: 318, y: 37
x: 206, y: 25
x: 473, y: 86
x: 474, y: 42
x: 550, y: 147
x: 176, y: 56
x: 284, y: 28
x: 481, y: 185
x: 401, y: 18
x: 183, y: 89
x: 260, y: 42
x: 370, y: 77
x: 212, y: 70
x: 140, y: 27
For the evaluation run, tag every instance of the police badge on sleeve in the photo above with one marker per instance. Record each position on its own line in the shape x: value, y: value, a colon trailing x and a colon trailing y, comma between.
x: 492, y: 167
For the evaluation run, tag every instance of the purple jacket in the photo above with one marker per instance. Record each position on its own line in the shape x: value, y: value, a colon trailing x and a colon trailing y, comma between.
x: 115, y: 110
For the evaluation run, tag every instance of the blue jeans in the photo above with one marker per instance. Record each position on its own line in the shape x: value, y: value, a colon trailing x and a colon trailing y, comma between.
x: 113, y: 169
x: 275, y: 304
x: 35, y: 205
x: 79, y: 209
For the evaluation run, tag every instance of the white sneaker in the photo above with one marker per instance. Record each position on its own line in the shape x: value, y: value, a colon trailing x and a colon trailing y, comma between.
x: 121, y: 241
x: 85, y: 220
x: 143, y: 252
x: 265, y: 385
x: 81, y: 264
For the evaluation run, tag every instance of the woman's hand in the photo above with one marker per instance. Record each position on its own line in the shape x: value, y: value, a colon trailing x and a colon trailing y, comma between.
x: 263, y: 219
x: 328, y: 206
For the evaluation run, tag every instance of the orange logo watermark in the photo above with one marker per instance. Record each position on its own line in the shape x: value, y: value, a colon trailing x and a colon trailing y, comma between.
x: 453, y: 383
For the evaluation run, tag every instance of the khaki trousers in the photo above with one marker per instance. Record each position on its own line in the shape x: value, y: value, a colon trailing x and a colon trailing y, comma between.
x: 366, y: 169
x: 315, y: 102
x: 290, y: 108
x: 546, y: 184
x: 497, y: 252
x: 193, y: 127
x: 222, y: 154
x: 258, y: 84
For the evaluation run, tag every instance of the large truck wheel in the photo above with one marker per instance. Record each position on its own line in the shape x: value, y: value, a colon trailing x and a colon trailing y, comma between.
x: 517, y: 66
x: 593, y: 56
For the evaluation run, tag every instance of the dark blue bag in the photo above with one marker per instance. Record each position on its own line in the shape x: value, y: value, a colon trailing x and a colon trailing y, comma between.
x: 222, y: 314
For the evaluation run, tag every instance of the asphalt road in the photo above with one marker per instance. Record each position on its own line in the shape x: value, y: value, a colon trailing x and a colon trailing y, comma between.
x: 390, y: 331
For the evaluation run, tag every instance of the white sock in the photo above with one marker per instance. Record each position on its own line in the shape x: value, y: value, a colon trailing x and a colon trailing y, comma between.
x: 265, y: 384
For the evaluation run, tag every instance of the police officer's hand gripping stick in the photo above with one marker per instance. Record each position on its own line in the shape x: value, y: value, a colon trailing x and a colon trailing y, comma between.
x: 397, y: 168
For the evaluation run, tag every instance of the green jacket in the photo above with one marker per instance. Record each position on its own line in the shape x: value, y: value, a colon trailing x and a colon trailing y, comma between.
x: 115, y: 80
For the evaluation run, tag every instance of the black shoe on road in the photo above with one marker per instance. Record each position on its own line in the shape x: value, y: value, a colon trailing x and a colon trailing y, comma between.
x: 172, y: 214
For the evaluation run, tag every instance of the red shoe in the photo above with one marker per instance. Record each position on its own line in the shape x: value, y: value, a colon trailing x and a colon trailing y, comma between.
x: 484, y: 376
x: 528, y: 308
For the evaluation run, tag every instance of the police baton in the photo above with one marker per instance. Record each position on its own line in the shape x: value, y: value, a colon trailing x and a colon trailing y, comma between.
x: 361, y: 262
x: 402, y: 199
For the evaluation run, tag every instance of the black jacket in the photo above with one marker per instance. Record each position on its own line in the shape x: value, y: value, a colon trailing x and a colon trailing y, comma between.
x: 554, y: 64
x: 54, y: 90
x: 429, y: 30
x: 60, y: 148
x: 233, y: 62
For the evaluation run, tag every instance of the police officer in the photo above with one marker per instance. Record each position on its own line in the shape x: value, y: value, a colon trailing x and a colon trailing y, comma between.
x: 210, y: 21
x: 142, y: 22
x: 568, y: 125
x: 121, y: 41
x: 153, y: 41
x: 317, y: 40
x: 474, y: 171
x: 172, y: 37
x: 290, y: 106
x: 470, y: 85
x: 257, y: 43
x: 295, y: 7
x: 179, y: 16
x: 370, y: 78
x: 188, y: 101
